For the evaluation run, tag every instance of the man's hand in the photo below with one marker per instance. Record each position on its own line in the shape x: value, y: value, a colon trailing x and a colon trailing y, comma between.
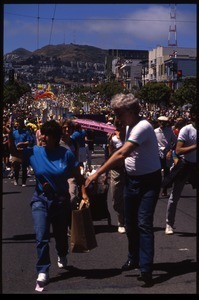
x: 91, y: 179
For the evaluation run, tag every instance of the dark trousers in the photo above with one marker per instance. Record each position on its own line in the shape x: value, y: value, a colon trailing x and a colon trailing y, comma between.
x: 166, y: 169
x: 141, y: 195
x: 16, y: 167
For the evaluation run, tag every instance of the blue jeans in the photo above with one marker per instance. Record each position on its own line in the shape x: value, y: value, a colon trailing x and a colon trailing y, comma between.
x: 179, y: 182
x: 44, y: 213
x: 140, y: 195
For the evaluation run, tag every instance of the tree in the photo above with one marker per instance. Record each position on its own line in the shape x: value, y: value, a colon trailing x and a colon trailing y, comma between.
x: 187, y: 93
x: 11, y: 75
x: 107, y: 90
x: 13, y: 91
x: 155, y: 93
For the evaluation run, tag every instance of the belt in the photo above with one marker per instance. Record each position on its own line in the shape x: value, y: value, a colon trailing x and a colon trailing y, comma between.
x: 60, y: 197
x: 145, y: 176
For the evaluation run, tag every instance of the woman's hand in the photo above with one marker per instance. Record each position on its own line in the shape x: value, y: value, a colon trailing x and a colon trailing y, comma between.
x: 85, y: 198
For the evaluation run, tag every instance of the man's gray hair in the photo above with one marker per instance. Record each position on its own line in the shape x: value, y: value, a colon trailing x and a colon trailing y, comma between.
x: 125, y: 102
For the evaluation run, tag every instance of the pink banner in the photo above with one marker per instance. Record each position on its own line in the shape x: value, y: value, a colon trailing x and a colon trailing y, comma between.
x: 95, y: 125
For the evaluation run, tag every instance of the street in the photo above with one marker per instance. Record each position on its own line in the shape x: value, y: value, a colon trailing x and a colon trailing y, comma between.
x: 98, y: 271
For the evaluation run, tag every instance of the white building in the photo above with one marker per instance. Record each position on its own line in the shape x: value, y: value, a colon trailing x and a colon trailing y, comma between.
x: 158, y: 62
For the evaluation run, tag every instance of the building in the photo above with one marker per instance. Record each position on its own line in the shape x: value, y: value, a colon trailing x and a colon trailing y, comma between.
x: 125, y: 66
x: 165, y: 62
x: 170, y: 65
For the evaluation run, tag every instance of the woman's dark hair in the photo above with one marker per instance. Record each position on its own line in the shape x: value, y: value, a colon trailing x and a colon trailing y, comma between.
x: 20, y: 120
x: 69, y: 123
x: 77, y: 126
x: 52, y: 128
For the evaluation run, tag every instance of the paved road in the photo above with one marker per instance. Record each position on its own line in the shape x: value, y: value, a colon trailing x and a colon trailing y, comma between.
x: 99, y: 271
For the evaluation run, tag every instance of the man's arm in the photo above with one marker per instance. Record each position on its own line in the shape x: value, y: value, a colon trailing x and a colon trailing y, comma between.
x: 181, y: 149
x: 116, y: 159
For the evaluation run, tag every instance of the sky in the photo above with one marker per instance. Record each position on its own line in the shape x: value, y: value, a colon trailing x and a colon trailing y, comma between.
x: 106, y: 26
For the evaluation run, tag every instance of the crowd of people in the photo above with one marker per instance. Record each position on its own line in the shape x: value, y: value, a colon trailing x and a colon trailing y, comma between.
x: 143, y: 151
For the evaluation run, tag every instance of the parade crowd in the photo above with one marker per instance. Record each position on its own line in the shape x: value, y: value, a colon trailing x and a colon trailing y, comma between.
x: 152, y: 150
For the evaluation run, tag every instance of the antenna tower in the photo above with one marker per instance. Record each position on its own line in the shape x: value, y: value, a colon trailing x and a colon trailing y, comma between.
x: 172, y: 38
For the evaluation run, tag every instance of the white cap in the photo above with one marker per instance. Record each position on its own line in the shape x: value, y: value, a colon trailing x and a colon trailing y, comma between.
x: 163, y: 118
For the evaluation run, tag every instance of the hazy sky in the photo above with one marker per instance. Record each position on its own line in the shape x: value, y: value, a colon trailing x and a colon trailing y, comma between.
x: 107, y: 26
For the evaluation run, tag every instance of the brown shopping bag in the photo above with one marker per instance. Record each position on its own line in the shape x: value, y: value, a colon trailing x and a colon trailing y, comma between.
x: 82, y: 230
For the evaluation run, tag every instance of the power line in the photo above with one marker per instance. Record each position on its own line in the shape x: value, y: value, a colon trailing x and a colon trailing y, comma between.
x: 38, y: 28
x: 52, y: 24
x: 101, y: 19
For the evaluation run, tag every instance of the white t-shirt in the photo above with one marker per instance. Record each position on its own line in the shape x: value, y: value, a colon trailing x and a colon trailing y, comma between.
x: 188, y: 135
x: 117, y: 143
x: 166, y: 139
x: 145, y: 158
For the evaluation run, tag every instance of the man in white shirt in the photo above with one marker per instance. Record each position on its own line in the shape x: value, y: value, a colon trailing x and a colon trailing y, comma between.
x: 166, y: 142
x: 186, y: 149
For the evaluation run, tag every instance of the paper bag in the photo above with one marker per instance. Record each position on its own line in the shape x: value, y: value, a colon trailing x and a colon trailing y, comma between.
x: 82, y: 230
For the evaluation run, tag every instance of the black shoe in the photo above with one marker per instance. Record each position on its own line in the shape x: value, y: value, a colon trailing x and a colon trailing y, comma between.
x: 129, y: 265
x: 146, y: 277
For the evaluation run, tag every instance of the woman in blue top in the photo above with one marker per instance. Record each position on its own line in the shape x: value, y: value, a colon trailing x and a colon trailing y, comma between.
x: 21, y: 139
x: 52, y: 165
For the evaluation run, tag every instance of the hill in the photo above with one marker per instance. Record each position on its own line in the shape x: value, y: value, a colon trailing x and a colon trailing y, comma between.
x: 63, y: 52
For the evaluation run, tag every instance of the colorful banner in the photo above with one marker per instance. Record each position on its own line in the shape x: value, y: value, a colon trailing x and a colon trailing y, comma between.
x: 46, y: 94
x: 90, y: 124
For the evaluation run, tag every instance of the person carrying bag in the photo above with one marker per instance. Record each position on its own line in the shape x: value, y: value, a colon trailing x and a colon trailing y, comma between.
x: 82, y: 230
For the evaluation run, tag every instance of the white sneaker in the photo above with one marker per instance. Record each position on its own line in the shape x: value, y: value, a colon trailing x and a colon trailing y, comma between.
x: 15, y: 182
x: 62, y: 262
x: 121, y: 229
x: 23, y: 185
x: 169, y: 229
x: 42, y: 279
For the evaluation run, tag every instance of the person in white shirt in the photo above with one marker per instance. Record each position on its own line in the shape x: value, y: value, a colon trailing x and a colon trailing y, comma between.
x: 166, y: 142
x: 67, y: 142
x: 117, y: 175
x: 142, y: 184
x: 185, y: 149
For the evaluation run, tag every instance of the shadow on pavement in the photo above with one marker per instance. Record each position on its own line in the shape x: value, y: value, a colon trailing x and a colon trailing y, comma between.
x: 10, y: 193
x: 170, y: 270
x: 105, y: 228
x: 21, y: 237
x: 178, y: 233
x: 88, y: 274
x: 173, y: 270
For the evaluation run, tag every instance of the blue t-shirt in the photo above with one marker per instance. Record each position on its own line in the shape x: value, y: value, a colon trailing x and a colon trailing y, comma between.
x: 53, y: 166
x: 33, y: 140
x: 21, y: 135
x: 79, y: 137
